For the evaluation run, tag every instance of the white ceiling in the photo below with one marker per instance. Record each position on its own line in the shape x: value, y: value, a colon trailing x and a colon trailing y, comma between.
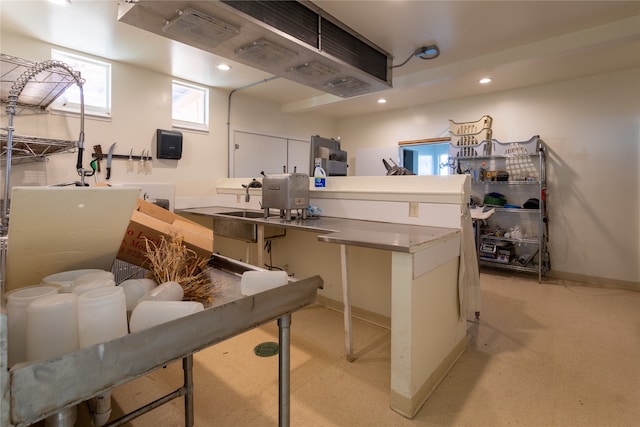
x: 517, y: 43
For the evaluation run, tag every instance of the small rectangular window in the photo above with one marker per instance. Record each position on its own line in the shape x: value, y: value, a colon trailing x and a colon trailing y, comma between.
x: 190, y: 106
x: 96, y: 88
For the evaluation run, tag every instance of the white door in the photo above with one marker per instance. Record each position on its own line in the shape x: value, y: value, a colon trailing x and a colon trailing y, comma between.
x: 254, y: 153
x: 298, y: 159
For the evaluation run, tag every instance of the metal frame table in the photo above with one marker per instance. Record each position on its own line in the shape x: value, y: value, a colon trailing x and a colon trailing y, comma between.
x: 36, y: 390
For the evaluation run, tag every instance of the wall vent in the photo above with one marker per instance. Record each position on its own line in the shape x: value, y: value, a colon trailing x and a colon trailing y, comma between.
x: 201, y: 29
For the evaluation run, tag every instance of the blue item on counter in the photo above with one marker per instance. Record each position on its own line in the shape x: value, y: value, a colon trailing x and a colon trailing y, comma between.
x: 314, y: 211
x: 319, y: 178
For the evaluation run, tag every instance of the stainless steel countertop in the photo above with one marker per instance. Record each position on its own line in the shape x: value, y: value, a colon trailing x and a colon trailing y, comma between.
x: 371, y: 234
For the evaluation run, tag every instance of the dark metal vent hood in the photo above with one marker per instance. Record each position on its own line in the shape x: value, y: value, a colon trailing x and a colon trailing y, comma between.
x: 291, y: 39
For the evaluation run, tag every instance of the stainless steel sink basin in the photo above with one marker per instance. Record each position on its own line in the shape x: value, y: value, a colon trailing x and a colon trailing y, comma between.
x: 242, y: 230
x: 244, y: 214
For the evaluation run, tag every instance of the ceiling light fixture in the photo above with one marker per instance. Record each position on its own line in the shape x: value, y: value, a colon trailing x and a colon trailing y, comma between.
x: 61, y: 2
x: 484, y: 80
x: 223, y: 67
x: 424, y: 52
x: 382, y: 101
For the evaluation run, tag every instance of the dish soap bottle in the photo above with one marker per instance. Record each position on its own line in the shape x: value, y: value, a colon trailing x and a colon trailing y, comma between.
x: 319, y: 178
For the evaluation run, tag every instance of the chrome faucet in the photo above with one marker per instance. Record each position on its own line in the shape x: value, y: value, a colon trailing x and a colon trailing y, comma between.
x: 253, y: 184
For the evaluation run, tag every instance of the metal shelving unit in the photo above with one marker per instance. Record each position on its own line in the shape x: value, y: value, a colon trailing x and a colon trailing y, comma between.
x: 527, y: 251
x: 33, y: 149
x: 33, y: 86
x: 28, y: 87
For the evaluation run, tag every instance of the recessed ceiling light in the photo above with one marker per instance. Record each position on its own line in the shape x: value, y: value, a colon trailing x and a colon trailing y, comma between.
x: 485, y: 80
x: 223, y: 67
x: 382, y: 101
x: 61, y: 2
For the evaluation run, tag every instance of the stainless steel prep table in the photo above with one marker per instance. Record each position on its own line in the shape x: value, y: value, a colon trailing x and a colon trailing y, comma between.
x: 371, y: 234
x: 427, y: 309
x: 404, y: 238
x: 40, y: 389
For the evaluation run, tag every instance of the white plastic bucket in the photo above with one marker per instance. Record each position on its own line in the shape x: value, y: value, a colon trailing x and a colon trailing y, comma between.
x: 134, y: 289
x: 102, y: 315
x: 151, y: 313
x: 6, y: 295
x: 65, y: 279
x: 52, y: 327
x: 100, y: 276
x: 167, y: 291
x: 253, y: 282
x: 17, y: 302
x: 92, y: 281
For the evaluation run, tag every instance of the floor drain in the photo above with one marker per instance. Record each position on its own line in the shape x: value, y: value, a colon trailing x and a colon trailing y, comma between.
x: 267, y: 349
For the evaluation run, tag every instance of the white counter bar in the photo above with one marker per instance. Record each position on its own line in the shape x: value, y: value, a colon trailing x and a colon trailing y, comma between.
x: 418, y: 220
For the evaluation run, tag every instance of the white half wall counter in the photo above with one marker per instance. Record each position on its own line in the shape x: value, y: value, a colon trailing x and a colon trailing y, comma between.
x: 427, y: 289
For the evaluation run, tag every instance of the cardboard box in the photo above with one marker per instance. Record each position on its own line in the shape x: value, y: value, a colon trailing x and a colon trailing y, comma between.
x: 152, y: 222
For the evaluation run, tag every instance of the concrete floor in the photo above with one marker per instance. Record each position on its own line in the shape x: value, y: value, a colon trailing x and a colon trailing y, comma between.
x: 541, y: 355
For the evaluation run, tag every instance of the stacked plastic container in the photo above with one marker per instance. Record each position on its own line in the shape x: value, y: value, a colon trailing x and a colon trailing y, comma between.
x: 471, y: 139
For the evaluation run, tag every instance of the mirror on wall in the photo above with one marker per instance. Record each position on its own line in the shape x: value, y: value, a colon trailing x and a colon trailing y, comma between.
x: 426, y: 157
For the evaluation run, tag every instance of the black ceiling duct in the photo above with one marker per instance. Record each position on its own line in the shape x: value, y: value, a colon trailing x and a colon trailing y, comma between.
x: 291, y: 39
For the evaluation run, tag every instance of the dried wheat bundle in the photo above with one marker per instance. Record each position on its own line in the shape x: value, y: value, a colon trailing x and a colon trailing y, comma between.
x: 171, y: 261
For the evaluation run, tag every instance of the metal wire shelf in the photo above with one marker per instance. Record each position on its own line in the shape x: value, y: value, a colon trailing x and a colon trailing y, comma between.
x: 43, y: 88
x: 30, y: 148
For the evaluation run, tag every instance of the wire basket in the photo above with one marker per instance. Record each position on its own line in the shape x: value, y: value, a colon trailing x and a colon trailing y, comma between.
x: 471, y: 133
x: 476, y: 150
x: 523, y: 148
x: 123, y: 270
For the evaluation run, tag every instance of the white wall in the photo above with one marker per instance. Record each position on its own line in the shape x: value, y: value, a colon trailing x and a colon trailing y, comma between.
x: 141, y: 103
x: 592, y: 129
x: 591, y: 125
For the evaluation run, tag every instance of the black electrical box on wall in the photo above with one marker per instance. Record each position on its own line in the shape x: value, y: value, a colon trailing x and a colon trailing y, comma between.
x: 169, y: 144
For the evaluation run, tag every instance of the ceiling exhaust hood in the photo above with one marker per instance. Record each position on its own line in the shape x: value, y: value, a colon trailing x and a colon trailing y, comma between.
x: 291, y: 39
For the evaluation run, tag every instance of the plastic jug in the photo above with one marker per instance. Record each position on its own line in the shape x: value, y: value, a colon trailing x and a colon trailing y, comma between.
x: 319, y: 178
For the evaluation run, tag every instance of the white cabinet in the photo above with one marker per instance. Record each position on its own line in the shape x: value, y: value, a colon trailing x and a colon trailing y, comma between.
x: 512, y: 182
x: 254, y: 153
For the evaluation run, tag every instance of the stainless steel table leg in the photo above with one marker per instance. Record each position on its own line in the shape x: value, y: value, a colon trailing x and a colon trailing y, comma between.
x: 284, y: 357
x: 187, y: 370
x: 348, y: 340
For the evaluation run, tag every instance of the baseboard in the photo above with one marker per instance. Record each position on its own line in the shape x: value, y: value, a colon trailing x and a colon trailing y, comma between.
x: 358, y: 313
x: 554, y: 277
x: 564, y: 278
